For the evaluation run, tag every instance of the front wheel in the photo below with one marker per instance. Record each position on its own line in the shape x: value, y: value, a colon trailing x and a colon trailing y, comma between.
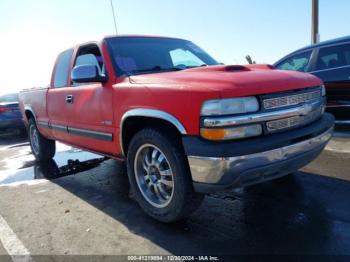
x: 159, y: 176
x: 42, y: 148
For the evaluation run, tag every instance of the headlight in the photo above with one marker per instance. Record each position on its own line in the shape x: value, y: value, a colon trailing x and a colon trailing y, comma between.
x: 230, y: 106
x: 323, y: 92
x: 231, y: 133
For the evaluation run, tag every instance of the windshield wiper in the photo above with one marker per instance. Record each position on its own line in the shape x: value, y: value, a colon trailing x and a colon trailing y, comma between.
x: 157, y: 69
x: 160, y: 69
x: 196, y: 66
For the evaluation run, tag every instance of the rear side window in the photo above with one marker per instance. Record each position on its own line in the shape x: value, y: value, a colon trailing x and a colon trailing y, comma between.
x: 332, y: 57
x: 62, y: 68
x: 297, y: 62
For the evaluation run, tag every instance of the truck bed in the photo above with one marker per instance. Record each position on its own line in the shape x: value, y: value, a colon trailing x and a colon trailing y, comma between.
x: 34, y: 100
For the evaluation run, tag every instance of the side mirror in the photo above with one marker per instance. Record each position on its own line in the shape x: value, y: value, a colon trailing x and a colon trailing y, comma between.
x: 87, y: 74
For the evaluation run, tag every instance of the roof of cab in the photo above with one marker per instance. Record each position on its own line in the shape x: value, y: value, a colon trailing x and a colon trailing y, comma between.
x: 117, y: 36
x: 144, y: 36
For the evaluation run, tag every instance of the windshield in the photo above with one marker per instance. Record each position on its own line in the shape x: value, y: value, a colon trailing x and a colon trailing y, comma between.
x: 142, y: 55
x: 9, y: 98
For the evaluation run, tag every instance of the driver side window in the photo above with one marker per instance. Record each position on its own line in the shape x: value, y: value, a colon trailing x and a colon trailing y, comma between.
x: 88, y: 59
x: 90, y: 55
x: 298, y: 62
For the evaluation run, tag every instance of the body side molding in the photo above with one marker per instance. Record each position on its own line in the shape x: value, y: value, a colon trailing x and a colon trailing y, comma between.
x: 78, y: 131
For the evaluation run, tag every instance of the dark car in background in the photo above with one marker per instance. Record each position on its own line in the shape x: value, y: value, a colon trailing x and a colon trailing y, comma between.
x: 330, y: 61
x: 10, y: 115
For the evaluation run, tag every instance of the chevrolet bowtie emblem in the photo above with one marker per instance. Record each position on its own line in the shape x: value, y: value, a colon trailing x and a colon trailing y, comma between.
x: 305, y: 110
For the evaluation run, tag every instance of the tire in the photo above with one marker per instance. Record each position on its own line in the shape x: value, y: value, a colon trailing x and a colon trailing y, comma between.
x: 42, y: 148
x: 168, y: 167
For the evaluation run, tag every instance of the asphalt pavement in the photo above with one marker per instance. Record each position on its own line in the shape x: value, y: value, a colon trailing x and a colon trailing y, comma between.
x: 79, y: 204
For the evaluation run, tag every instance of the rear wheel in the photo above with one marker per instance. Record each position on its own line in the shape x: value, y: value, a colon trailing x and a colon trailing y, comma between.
x: 42, y: 148
x: 160, y: 177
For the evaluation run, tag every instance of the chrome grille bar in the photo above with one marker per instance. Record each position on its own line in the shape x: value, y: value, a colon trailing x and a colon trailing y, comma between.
x: 291, y: 100
x: 294, y: 121
x: 302, y: 110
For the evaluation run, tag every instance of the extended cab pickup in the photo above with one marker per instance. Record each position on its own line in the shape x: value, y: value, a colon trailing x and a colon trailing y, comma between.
x: 185, y: 124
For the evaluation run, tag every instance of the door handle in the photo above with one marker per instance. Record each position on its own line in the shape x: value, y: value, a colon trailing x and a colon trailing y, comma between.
x: 69, y: 99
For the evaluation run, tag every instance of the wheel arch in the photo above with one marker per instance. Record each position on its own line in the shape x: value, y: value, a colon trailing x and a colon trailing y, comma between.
x: 146, y: 117
x: 29, y: 112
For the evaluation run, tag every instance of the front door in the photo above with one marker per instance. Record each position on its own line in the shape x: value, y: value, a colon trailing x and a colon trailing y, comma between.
x: 90, y: 108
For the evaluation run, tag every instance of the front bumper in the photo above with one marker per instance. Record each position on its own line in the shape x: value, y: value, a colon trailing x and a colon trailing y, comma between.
x: 275, y: 156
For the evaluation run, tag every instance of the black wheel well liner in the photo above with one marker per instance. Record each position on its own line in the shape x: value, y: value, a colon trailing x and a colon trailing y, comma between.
x: 29, y: 114
x: 133, y: 124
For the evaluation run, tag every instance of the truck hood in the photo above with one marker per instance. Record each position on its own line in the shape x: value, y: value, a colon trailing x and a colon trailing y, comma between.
x: 231, y: 80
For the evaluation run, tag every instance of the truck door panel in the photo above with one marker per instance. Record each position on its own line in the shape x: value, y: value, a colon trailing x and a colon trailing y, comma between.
x: 90, y: 113
x: 91, y: 117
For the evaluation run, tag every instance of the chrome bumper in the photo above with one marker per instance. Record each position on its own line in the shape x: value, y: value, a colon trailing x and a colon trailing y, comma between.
x: 254, y: 168
x: 342, y: 122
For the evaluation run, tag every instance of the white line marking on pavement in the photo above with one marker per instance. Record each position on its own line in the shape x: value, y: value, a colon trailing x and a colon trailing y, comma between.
x: 345, y: 151
x: 13, y: 146
x: 13, y: 246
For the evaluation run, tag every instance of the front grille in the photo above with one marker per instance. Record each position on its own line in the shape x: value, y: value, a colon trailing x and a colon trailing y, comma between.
x: 310, y: 102
x: 279, y: 112
x: 294, y: 121
x: 291, y: 100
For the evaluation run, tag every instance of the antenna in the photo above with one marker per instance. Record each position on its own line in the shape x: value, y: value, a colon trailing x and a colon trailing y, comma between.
x: 115, y: 22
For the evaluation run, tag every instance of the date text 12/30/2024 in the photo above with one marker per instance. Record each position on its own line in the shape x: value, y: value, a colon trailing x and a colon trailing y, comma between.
x: 173, y: 258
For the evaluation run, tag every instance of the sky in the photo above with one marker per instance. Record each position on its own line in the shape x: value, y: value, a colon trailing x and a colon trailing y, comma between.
x: 33, y: 32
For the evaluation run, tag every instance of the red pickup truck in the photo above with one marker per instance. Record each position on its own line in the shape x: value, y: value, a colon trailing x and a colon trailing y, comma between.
x: 185, y: 124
